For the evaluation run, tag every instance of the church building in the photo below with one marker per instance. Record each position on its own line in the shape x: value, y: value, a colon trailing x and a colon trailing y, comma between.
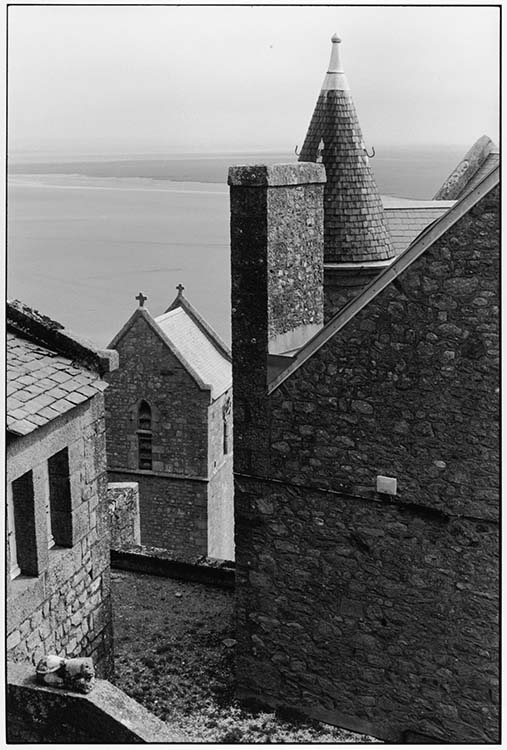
x: 169, y: 428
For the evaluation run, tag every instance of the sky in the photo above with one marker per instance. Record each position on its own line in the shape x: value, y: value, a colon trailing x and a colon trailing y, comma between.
x: 168, y: 79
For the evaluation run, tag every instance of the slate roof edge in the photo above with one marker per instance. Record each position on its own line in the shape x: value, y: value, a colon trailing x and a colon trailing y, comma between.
x: 421, y: 243
x: 143, y: 312
x: 40, y: 329
x: 434, y: 205
x: 212, y: 335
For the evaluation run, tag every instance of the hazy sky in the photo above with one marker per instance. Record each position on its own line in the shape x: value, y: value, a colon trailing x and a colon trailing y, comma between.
x: 172, y: 79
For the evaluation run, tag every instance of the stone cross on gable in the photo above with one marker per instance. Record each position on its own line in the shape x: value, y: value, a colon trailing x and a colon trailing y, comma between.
x: 142, y: 299
x: 180, y: 289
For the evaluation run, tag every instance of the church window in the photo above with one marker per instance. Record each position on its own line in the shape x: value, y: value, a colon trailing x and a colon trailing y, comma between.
x: 144, y: 436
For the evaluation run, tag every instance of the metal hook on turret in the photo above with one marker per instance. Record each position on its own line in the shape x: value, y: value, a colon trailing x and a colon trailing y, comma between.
x: 370, y: 156
x: 296, y: 150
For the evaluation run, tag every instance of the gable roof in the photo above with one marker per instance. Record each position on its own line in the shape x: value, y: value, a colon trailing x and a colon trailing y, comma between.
x: 192, y: 341
x: 49, y: 369
x: 425, y: 240
x: 479, y: 161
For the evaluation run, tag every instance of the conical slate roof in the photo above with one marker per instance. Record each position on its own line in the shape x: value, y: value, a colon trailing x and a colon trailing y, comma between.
x: 354, y: 228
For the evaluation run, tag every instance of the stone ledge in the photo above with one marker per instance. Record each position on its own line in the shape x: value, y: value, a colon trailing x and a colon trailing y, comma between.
x: 40, y: 714
x: 158, y: 562
x: 276, y: 175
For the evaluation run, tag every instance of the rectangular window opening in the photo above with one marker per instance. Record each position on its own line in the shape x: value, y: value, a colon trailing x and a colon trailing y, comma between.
x: 145, y: 451
x: 59, y: 511
x: 23, y: 526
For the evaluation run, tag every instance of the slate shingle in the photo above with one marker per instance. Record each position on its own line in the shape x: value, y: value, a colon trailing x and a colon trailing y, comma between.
x: 42, y: 384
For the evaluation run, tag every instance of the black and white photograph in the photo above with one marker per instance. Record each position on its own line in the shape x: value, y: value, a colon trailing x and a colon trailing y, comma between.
x: 252, y: 352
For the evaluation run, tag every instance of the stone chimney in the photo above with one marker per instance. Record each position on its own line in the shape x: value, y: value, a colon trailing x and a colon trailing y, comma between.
x: 356, y: 241
x: 277, y: 285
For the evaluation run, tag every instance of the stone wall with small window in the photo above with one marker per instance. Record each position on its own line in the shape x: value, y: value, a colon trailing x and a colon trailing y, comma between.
x: 58, y: 588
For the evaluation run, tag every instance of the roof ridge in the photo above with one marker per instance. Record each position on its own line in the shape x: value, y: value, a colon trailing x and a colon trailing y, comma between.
x: 182, y: 302
x: 43, y: 330
x: 426, y: 238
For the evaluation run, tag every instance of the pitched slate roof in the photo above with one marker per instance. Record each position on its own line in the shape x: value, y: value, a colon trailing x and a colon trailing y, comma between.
x: 479, y: 161
x: 406, y: 219
x: 45, y: 373
x: 354, y: 227
x: 192, y: 341
x: 425, y: 240
x: 197, y: 349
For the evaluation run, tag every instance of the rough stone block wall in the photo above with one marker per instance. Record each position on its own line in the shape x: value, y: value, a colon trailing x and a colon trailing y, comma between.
x: 367, y: 615
x: 174, y: 513
x: 66, y: 609
x: 342, y: 286
x: 266, y: 235
x: 410, y: 387
x: 374, y: 612
x: 148, y: 370
x: 124, y: 516
x: 42, y: 715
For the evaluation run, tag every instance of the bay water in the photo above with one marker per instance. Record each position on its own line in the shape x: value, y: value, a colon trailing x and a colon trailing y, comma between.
x: 85, y: 235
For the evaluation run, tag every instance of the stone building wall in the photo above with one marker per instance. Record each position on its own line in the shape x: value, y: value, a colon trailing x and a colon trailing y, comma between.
x: 149, y: 371
x: 123, y: 511
x: 375, y: 612
x: 174, y: 513
x: 220, y: 487
x: 172, y: 495
x: 64, y: 606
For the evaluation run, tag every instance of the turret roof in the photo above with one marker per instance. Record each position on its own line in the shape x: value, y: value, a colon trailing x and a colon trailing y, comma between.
x: 354, y: 226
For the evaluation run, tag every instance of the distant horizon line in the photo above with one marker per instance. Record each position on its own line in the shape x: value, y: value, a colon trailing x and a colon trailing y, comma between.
x: 25, y: 153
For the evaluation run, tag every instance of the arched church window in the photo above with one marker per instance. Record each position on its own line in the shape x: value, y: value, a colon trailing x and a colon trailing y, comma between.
x: 144, y: 436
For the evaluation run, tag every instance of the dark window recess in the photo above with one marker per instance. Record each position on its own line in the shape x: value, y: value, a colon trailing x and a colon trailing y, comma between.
x: 60, y: 503
x: 144, y: 436
x: 24, y: 523
x: 227, y: 438
x: 226, y: 421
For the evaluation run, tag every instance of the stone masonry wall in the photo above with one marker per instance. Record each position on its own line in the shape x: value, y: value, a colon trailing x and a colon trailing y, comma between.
x: 149, y: 371
x: 66, y: 609
x: 374, y: 612
x: 261, y: 199
x: 408, y: 388
x: 367, y: 615
x: 124, y: 516
x: 172, y: 495
x: 174, y: 513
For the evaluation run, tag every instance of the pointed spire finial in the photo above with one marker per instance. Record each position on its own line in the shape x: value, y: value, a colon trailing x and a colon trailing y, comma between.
x: 335, y: 79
